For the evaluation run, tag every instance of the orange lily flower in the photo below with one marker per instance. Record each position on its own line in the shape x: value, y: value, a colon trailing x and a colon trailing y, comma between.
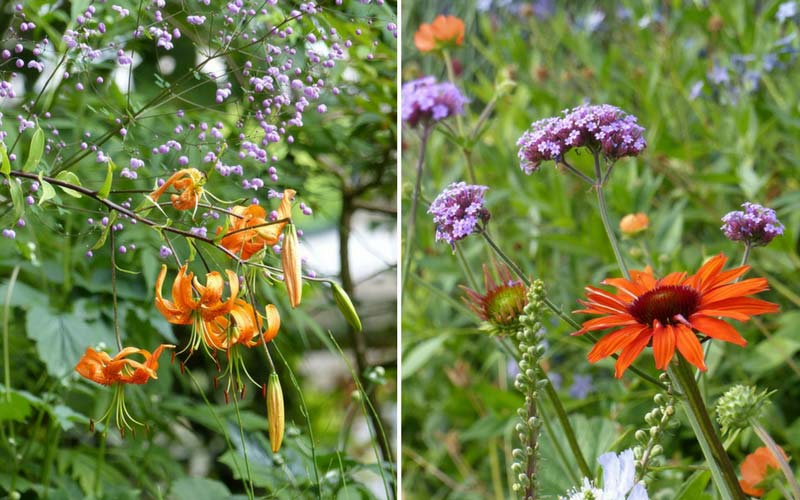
x: 189, y: 181
x: 180, y: 311
x: 444, y: 30
x: 755, y: 468
x: 99, y: 367
x: 243, y: 240
x: 243, y: 327
x: 665, y: 313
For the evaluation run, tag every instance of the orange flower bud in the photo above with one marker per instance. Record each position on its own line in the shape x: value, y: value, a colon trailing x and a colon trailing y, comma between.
x: 290, y: 260
x: 275, y: 413
x: 443, y: 31
x: 634, y: 223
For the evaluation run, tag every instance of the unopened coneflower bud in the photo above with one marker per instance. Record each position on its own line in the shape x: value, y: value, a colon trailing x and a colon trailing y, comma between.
x: 275, y: 413
x: 346, y: 307
x: 738, y: 405
x: 290, y: 260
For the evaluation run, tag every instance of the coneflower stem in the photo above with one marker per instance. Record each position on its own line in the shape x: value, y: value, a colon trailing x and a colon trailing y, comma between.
x: 777, y: 452
x: 412, y: 212
x: 601, y: 203
x: 719, y: 463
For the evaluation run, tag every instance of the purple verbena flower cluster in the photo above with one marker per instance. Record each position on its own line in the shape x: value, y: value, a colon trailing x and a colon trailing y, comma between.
x: 755, y: 225
x: 458, y: 211
x: 603, y: 128
x: 425, y: 100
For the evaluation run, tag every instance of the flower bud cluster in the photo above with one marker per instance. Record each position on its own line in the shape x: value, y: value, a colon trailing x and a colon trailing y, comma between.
x: 739, y: 405
x: 529, y: 381
x: 659, y: 419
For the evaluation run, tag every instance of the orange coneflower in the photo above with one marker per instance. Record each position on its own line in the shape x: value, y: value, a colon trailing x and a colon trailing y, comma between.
x: 755, y: 469
x: 99, y: 367
x: 442, y: 31
x: 665, y: 313
x: 189, y: 181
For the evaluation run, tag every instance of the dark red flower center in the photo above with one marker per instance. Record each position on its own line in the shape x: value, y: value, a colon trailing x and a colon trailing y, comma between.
x: 664, y: 304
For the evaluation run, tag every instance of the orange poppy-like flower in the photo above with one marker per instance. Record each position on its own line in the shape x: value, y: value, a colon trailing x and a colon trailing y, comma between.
x: 755, y: 468
x: 99, y: 367
x: 634, y: 223
x: 444, y: 30
x: 242, y: 326
x: 249, y: 230
x: 189, y: 181
x: 665, y: 313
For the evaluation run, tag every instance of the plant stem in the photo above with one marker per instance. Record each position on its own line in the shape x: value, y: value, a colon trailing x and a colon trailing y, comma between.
x: 6, y: 309
x: 412, y: 213
x: 779, y: 456
x: 465, y: 267
x: 717, y: 458
x: 563, y: 419
x: 601, y: 202
x: 746, y: 255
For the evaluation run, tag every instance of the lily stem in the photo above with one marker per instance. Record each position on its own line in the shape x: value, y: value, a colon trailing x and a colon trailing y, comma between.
x: 717, y: 458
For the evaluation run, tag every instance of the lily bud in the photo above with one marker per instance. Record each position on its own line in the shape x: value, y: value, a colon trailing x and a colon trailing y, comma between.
x: 290, y: 260
x: 346, y: 307
x: 275, y: 413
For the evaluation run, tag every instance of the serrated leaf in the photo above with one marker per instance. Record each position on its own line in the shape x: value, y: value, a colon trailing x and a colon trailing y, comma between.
x: 5, y: 164
x: 198, y: 488
x: 14, y: 407
x: 35, y: 151
x: 103, y: 192
x: 72, y: 179
x: 48, y: 193
x: 62, y: 338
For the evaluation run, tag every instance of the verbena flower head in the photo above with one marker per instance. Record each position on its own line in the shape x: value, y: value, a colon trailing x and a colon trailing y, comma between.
x: 602, y: 128
x: 502, y: 303
x: 458, y: 212
x: 755, y: 225
x: 619, y: 480
x: 665, y: 313
x: 426, y: 100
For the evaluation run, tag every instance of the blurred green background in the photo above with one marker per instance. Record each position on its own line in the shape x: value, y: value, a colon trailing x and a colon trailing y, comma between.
x: 715, y: 86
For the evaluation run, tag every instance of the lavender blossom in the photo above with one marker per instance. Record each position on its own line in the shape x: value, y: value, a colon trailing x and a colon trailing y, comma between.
x: 756, y: 225
x: 603, y: 128
x: 426, y: 100
x: 458, y: 211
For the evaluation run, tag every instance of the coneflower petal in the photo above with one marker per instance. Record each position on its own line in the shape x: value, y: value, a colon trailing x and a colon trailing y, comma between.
x: 613, y: 342
x: 690, y: 347
x: 716, y: 328
x: 740, y: 289
x: 663, y: 345
x: 631, y: 351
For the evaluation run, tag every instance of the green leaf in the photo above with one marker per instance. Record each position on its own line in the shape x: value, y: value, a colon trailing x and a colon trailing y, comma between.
x: 16, y: 198
x: 197, y: 488
x: 694, y: 488
x: 5, y: 164
x: 72, y: 179
x: 48, y: 193
x: 102, y: 240
x: 14, y: 407
x: 103, y: 193
x: 35, y: 151
x: 62, y: 338
x: 419, y: 355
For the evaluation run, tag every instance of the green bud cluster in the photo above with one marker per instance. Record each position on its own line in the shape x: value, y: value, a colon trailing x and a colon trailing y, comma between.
x: 738, y: 405
x: 529, y: 381
x: 659, y: 419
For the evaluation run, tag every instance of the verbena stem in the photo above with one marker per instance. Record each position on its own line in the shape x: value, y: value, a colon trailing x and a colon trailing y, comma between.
x: 412, y: 212
x: 719, y: 463
x: 601, y: 203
